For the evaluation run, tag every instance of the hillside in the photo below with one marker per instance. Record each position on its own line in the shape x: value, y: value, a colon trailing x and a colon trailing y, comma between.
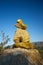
x: 38, y: 44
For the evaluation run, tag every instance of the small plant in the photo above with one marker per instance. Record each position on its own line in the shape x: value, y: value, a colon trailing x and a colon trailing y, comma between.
x: 4, y: 41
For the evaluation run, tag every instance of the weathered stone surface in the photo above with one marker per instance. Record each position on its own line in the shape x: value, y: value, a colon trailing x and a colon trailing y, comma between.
x: 20, y: 33
x: 21, y: 36
x: 19, y: 56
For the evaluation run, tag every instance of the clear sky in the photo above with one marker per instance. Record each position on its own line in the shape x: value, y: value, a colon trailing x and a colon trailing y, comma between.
x: 30, y: 11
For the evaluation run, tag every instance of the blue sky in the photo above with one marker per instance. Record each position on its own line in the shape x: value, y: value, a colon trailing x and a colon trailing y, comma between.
x: 30, y: 11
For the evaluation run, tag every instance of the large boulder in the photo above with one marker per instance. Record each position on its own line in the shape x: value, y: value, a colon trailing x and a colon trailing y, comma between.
x: 20, y: 56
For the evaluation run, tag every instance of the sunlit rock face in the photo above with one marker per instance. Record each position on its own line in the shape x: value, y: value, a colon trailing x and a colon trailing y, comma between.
x: 21, y: 36
x: 19, y: 56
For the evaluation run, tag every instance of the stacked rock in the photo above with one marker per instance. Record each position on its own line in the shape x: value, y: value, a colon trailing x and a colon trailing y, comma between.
x: 21, y: 36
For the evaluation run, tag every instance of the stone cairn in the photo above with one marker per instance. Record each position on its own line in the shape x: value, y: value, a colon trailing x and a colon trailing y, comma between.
x: 21, y: 36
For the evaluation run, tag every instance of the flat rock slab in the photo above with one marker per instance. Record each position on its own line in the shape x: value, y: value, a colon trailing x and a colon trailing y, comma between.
x: 19, y: 56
